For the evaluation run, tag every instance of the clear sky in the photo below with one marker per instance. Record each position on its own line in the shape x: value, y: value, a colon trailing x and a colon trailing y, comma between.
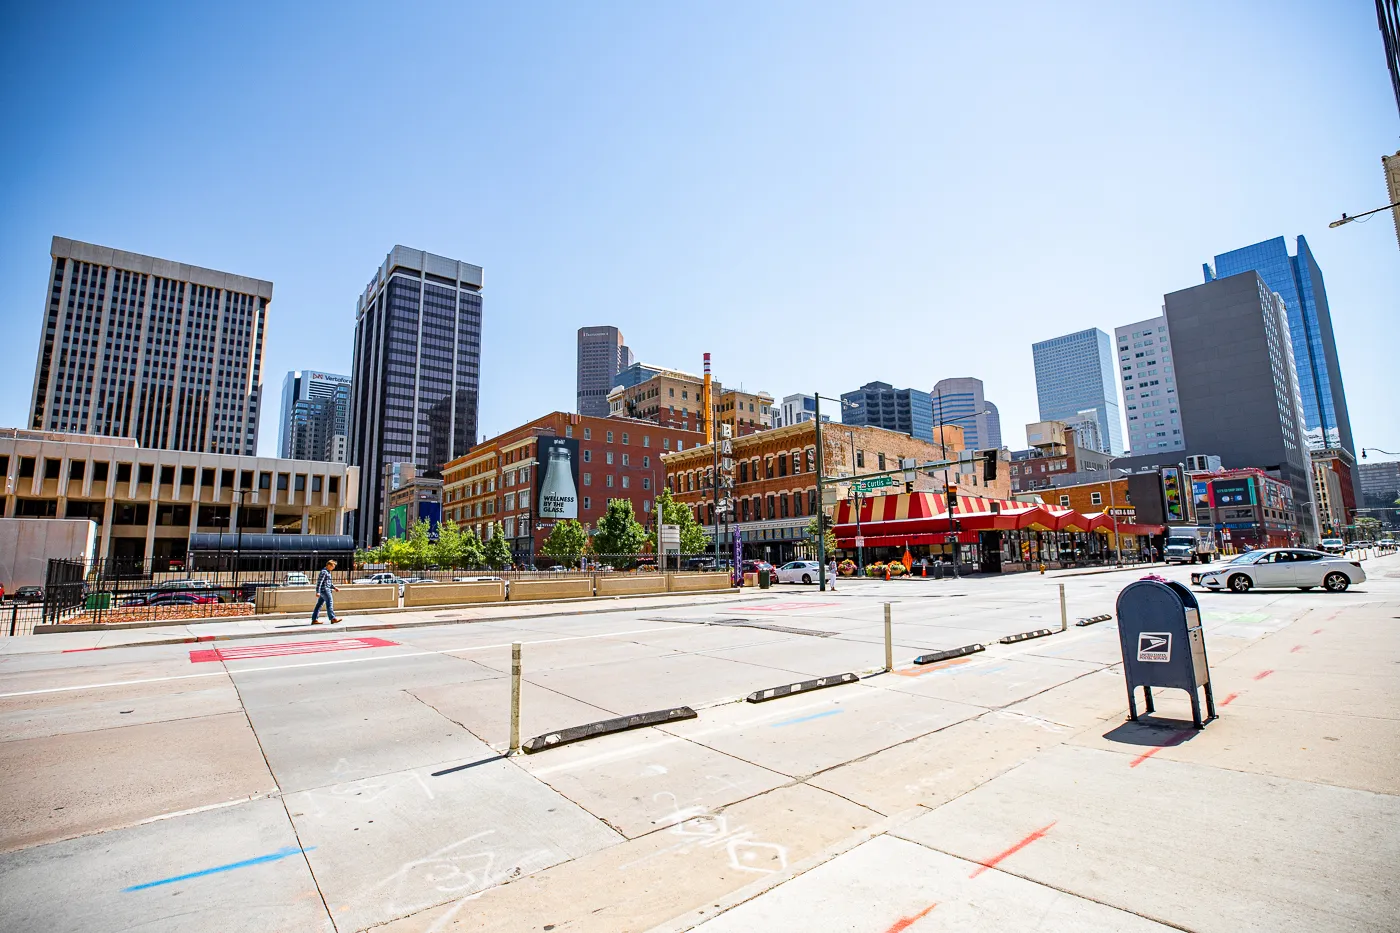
x: 819, y: 194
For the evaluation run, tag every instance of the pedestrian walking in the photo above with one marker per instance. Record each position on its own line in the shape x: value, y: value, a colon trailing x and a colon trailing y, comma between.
x: 831, y: 573
x: 325, y: 586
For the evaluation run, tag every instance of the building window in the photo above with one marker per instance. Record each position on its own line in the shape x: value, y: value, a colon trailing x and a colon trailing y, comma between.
x: 624, y: 438
x: 568, y: 430
x: 610, y: 457
x: 587, y: 502
x: 588, y: 434
x: 646, y: 482
x: 588, y: 456
x: 610, y: 437
x: 1064, y: 500
x: 860, y: 459
x: 646, y: 440
x: 1096, y: 498
x: 610, y: 481
x: 587, y: 481
x: 626, y: 482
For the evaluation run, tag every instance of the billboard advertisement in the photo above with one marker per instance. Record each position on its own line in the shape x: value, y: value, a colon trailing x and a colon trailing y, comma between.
x: 1200, y: 497
x: 1171, y: 495
x: 557, y: 494
x: 1233, y: 493
x: 398, y: 522
x: 430, y: 512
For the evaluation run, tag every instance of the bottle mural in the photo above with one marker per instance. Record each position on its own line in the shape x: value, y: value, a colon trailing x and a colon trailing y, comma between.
x: 559, y: 479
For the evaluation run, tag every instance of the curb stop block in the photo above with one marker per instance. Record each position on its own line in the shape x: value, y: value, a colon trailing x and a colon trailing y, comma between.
x: 606, y: 727
x: 787, y: 690
x: 937, y: 656
x: 1094, y: 620
x: 1026, y: 636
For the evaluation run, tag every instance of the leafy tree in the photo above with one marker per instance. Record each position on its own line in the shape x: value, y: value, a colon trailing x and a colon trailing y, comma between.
x: 567, y: 541
x: 420, y: 547
x: 473, y: 552
x: 496, y: 552
x: 447, y: 550
x: 693, y: 537
x: 830, y: 535
x: 395, y: 553
x: 619, y: 533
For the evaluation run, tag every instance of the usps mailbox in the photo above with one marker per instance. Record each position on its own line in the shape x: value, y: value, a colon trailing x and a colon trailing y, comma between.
x: 1159, y: 629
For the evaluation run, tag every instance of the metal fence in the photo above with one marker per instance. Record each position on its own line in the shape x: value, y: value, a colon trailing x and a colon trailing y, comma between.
x: 548, y: 569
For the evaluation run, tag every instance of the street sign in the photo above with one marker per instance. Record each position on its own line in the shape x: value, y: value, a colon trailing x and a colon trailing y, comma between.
x: 874, y: 482
x: 670, y: 538
x: 860, y: 541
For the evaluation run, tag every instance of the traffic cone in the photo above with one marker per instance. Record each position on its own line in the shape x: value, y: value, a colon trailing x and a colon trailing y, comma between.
x: 887, y: 571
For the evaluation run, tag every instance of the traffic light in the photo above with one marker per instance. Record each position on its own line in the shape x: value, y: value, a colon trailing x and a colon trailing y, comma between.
x: 952, y: 499
x: 989, y: 461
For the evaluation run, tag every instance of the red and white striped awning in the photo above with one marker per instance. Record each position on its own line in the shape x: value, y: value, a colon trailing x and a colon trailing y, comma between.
x: 922, y: 518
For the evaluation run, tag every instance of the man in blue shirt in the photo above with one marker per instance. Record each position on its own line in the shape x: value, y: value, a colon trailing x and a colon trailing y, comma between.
x: 325, y: 586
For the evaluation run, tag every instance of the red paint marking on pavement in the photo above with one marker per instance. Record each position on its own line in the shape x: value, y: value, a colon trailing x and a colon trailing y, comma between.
x: 1229, y: 699
x: 76, y: 650
x: 1176, y: 739
x: 1317, y: 631
x: 274, y: 650
x: 1262, y: 674
x: 997, y: 859
x: 1295, y: 649
x: 904, y: 923
x: 931, y: 668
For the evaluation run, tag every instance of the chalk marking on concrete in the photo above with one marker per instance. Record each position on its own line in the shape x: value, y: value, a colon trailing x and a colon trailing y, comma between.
x: 284, y: 852
x: 904, y: 923
x: 1001, y: 856
x: 1229, y: 699
x: 288, y: 667
x: 1176, y: 739
x: 793, y: 722
x: 1262, y: 674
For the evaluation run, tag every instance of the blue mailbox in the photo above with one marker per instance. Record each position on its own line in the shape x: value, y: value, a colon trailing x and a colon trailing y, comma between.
x: 1159, y: 630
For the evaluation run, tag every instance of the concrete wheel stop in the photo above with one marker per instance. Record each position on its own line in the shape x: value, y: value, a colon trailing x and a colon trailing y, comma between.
x: 606, y: 727
x: 787, y: 690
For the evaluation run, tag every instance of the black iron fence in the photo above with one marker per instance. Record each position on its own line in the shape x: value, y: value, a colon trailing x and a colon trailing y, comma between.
x: 548, y: 568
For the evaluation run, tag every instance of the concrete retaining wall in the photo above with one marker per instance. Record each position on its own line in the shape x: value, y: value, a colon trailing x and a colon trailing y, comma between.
x: 630, y: 584
x: 696, y: 582
x: 572, y: 588
x: 303, y: 598
x: 452, y: 594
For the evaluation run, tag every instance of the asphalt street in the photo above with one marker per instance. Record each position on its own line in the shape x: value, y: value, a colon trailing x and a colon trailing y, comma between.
x: 355, y: 779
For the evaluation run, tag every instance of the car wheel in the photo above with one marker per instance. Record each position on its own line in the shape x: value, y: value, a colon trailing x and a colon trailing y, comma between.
x: 1336, y: 582
x: 1239, y: 583
x: 806, y: 578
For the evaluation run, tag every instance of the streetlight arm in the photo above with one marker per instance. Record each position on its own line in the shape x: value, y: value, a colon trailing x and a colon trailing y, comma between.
x: 1346, y: 219
x: 1378, y: 450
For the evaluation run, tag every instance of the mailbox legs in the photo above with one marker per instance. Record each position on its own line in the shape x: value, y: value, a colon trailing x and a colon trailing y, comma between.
x: 1132, y: 702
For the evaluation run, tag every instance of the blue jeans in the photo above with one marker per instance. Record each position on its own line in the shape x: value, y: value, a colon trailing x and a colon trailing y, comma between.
x: 329, y: 602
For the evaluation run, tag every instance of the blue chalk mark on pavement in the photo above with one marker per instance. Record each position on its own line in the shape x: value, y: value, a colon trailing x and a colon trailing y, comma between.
x: 793, y: 722
x: 285, y: 852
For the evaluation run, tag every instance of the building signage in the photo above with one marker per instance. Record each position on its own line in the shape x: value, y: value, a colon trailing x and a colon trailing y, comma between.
x: 1232, y: 492
x: 1171, y: 494
x: 557, y: 498
x: 430, y: 512
x: 1200, y: 497
x: 398, y: 522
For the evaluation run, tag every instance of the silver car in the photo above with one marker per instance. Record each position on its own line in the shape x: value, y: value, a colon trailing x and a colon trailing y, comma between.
x: 799, y: 571
x: 1284, y: 567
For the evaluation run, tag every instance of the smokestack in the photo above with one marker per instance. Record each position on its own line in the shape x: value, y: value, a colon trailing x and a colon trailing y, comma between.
x: 708, y: 402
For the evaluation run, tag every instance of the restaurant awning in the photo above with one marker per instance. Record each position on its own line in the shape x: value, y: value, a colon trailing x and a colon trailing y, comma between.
x: 922, y: 518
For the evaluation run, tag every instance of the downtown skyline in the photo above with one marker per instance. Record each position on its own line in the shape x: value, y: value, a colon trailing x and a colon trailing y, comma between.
x: 710, y: 254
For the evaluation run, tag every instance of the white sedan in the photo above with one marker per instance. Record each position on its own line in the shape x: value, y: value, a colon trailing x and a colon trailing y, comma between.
x: 1282, y: 567
x: 799, y: 571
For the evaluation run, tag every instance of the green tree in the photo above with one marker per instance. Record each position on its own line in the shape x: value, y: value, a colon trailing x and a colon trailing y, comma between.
x: 473, y: 553
x: 420, y: 547
x: 693, y: 537
x: 830, y: 535
x: 447, y: 550
x: 496, y: 551
x: 619, y: 534
x: 566, y: 542
x: 395, y: 553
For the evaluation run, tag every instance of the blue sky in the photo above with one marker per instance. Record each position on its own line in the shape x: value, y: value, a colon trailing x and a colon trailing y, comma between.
x: 818, y: 194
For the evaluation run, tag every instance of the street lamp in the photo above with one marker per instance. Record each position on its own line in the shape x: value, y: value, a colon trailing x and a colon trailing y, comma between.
x: 238, y: 495
x: 1379, y: 451
x: 1348, y: 219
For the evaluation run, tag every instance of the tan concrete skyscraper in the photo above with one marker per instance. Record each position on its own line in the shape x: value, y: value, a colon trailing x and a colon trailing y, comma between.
x: 602, y: 354
x: 163, y: 352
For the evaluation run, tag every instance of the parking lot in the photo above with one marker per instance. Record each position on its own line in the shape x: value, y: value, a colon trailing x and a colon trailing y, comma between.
x: 351, y: 779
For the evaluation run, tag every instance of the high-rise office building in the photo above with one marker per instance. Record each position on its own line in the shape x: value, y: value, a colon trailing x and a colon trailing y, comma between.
x: 961, y: 401
x: 1074, y: 373
x: 1298, y: 280
x: 601, y: 356
x: 796, y: 409
x: 417, y: 372
x: 1237, y: 384
x: 1149, y: 386
x: 881, y: 405
x: 163, y: 352
x: 315, y: 418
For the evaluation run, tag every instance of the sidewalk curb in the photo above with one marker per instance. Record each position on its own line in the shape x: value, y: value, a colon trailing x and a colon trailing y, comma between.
x: 307, y: 628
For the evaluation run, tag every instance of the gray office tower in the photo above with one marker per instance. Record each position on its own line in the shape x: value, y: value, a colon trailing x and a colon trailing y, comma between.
x: 1075, y: 373
x: 159, y: 351
x: 961, y: 402
x: 1237, y: 384
x: 601, y: 356
x: 416, y: 374
x: 881, y: 405
x: 315, y: 422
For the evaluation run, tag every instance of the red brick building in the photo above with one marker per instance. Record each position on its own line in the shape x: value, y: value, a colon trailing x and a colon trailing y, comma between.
x: 497, y: 480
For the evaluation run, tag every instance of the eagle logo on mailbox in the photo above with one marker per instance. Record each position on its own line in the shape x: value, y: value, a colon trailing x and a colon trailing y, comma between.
x: 1154, y: 646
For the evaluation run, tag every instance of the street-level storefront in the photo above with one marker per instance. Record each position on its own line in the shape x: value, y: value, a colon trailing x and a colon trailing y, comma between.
x: 992, y: 535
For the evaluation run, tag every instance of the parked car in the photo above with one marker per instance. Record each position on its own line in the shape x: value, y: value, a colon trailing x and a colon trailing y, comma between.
x: 181, y: 586
x: 297, y: 578
x: 1333, y: 546
x: 754, y: 566
x: 417, y: 580
x: 171, y: 599
x: 476, y: 579
x: 799, y: 571
x: 29, y: 594
x: 1284, y: 567
x: 385, y: 578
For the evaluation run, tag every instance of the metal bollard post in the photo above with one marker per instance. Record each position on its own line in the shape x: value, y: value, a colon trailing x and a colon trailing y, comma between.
x: 889, y: 641
x: 1064, y: 615
x: 515, y: 698
x: 14, y: 617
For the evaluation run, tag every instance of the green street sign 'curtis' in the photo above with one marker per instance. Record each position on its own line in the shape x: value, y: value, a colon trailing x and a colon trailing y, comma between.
x: 875, y: 482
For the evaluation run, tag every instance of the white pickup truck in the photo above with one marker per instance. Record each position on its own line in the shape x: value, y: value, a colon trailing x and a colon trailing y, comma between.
x: 1189, y: 544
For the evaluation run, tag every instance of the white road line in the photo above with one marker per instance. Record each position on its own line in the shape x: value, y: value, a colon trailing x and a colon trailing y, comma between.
x: 354, y: 660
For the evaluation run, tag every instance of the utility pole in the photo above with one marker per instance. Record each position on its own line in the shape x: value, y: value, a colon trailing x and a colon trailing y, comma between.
x: 714, y: 477
x: 821, y: 497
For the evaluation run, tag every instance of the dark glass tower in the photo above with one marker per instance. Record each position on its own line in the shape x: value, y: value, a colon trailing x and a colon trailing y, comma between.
x: 417, y: 371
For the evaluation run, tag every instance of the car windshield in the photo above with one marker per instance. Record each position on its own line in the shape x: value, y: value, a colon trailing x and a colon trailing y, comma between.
x: 1180, y: 542
x: 1247, y: 558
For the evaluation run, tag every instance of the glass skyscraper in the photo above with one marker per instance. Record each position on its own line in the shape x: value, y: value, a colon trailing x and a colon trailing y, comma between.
x: 416, y: 374
x: 1074, y: 373
x: 962, y: 402
x: 315, y: 416
x: 1298, y: 280
x: 881, y: 405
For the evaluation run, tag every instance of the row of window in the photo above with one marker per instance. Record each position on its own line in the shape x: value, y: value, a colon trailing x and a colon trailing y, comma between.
x: 145, y: 474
